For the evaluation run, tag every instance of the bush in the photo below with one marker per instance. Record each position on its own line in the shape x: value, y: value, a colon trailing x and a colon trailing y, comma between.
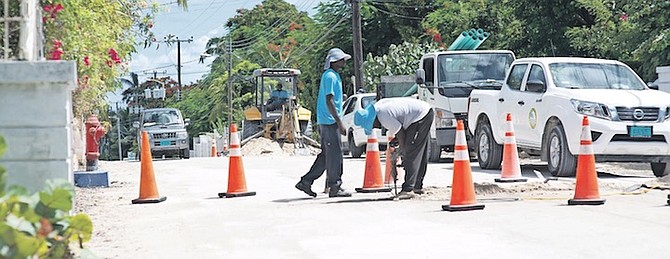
x: 39, y: 224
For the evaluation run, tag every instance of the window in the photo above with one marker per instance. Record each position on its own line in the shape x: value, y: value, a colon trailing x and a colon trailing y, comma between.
x: 429, y: 67
x: 349, y: 105
x: 536, y: 74
x: 516, y: 76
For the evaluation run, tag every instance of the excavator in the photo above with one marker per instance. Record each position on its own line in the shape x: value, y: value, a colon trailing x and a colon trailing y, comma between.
x: 276, y: 113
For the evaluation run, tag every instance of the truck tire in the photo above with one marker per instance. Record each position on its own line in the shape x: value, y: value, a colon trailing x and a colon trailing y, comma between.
x: 306, y: 128
x: 434, y: 151
x: 560, y: 161
x: 489, y: 153
x: 660, y: 169
x: 355, y: 151
x: 185, y: 153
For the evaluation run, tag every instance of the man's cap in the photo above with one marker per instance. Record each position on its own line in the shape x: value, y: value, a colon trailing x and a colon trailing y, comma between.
x: 335, y: 54
x: 365, y: 118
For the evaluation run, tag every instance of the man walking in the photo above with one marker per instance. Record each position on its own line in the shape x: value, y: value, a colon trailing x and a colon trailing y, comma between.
x: 409, y: 120
x: 328, y: 110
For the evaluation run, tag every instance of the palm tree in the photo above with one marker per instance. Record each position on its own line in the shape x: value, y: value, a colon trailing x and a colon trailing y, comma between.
x: 183, y: 4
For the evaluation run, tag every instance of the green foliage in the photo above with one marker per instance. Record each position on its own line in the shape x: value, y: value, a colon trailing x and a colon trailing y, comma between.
x: 98, y: 35
x: 401, y: 59
x: 39, y: 225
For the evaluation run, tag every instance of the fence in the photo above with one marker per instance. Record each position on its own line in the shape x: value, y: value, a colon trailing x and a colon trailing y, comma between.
x: 21, y: 30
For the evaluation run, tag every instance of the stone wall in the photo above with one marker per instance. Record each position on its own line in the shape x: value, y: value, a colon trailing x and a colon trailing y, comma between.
x: 35, y: 120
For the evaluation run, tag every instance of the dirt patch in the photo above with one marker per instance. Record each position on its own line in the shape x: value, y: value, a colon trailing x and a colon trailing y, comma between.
x: 266, y: 147
x: 529, y: 190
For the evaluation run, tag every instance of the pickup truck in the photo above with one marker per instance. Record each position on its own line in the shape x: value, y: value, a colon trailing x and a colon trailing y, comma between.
x: 547, y: 98
x: 445, y: 79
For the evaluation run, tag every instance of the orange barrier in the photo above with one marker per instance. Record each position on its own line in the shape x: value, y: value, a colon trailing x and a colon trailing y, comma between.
x: 237, y: 184
x: 462, y: 187
x: 372, y: 181
x: 213, y: 147
x: 586, y: 186
x: 148, y: 188
x: 511, y: 169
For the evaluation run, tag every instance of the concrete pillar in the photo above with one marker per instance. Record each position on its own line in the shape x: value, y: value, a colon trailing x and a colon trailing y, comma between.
x: 35, y: 120
x: 663, y: 80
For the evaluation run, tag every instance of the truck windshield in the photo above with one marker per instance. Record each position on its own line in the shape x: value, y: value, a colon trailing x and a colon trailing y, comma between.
x: 594, y: 76
x: 458, y: 74
x: 162, y: 117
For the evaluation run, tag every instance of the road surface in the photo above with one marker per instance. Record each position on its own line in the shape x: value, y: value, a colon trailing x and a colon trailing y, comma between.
x: 520, y: 220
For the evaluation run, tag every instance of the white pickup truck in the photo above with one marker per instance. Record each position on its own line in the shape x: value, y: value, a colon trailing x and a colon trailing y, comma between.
x: 548, y: 97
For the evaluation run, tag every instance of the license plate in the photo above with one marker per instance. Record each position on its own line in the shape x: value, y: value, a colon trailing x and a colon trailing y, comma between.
x: 165, y: 142
x: 639, y: 131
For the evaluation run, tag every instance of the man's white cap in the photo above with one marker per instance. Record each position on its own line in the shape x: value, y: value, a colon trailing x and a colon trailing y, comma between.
x: 335, y: 54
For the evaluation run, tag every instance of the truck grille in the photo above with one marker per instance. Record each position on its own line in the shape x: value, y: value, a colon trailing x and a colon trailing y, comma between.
x: 165, y: 135
x: 637, y: 113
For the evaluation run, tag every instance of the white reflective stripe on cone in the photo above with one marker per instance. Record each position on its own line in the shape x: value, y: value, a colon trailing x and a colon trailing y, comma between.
x: 235, y: 151
x: 234, y: 139
x: 461, y: 153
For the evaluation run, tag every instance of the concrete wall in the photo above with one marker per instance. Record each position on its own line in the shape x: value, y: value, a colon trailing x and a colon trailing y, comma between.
x: 663, y: 80
x: 35, y: 120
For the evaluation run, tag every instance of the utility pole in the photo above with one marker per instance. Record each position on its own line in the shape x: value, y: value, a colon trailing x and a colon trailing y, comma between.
x: 155, y: 73
x: 230, y: 82
x: 178, y: 41
x: 358, y: 44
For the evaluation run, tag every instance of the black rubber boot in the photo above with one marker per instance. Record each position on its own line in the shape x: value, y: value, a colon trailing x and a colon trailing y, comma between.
x: 305, y: 188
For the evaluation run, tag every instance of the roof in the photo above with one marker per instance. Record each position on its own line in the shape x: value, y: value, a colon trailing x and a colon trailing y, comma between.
x: 550, y: 60
x: 276, y: 72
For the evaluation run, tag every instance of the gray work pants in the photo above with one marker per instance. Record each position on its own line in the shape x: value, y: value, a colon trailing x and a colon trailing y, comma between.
x: 414, y: 151
x: 330, y: 158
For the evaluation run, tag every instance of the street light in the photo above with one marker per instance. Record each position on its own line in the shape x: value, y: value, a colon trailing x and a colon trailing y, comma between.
x: 118, y: 135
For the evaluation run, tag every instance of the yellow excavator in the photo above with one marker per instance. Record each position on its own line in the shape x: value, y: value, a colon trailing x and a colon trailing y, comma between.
x: 276, y: 113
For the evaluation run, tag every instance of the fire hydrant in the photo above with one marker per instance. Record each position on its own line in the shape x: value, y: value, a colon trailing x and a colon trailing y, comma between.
x: 94, y: 132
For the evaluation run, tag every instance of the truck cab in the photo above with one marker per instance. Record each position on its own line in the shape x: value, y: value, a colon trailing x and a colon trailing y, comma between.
x: 449, y: 77
x: 167, y: 132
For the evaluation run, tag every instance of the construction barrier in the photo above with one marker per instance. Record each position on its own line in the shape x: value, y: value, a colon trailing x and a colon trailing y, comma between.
x: 372, y: 181
x: 511, y: 169
x: 586, y: 186
x: 148, y: 188
x: 237, y: 184
x: 462, y: 187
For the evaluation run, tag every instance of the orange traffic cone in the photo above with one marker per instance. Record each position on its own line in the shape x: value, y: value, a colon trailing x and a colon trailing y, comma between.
x: 213, y: 147
x: 586, y: 187
x: 388, y: 177
x: 462, y: 187
x: 237, y: 184
x: 511, y: 169
x: 373, y: 172
x: 148, y: 188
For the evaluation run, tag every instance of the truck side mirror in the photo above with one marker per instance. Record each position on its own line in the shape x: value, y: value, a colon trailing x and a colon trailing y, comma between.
x: 536, y: 86
x: 420, y: 76
x: 136, y: 124
x: 652, y: 85
x: 187, y: 122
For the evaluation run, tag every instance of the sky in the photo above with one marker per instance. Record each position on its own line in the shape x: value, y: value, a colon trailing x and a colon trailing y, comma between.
x: 203, y: 20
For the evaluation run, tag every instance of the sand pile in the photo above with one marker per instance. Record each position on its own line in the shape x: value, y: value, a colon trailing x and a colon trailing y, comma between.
x: 263, y: 146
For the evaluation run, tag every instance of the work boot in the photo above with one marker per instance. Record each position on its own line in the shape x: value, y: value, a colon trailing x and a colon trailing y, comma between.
x: 406, y: 195
x: 419, y: 191
x: 338, y: 192
x: 306, y: 188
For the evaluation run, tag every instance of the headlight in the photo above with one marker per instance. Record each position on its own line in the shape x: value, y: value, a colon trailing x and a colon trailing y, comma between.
x: 182, y: 134
x: 598, y: 110
x: 444, y: 118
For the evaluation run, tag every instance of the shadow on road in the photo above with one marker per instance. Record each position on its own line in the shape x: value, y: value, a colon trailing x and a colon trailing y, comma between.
x: 362, y: 200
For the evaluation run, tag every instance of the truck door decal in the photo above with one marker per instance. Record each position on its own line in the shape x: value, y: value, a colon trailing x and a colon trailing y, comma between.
x: 532, y: 118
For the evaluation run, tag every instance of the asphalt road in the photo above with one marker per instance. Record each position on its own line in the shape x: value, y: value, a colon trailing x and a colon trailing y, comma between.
x: 282, y: 222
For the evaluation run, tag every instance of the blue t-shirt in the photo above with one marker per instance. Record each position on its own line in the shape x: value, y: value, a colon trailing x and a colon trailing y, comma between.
x: 280, y: 94
x: 331, y: 83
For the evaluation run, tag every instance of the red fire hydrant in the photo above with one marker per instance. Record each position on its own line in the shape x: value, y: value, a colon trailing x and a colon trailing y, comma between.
x: 94, y: 132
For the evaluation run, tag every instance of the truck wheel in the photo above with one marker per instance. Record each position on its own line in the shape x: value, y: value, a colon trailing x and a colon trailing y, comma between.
x: 355, y: 151
x: 660, y: 169
x: 185, y: 154
x: 434, y: 151
x: 306, y: 128
x: 560, y: 161
x: 489, y: 153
